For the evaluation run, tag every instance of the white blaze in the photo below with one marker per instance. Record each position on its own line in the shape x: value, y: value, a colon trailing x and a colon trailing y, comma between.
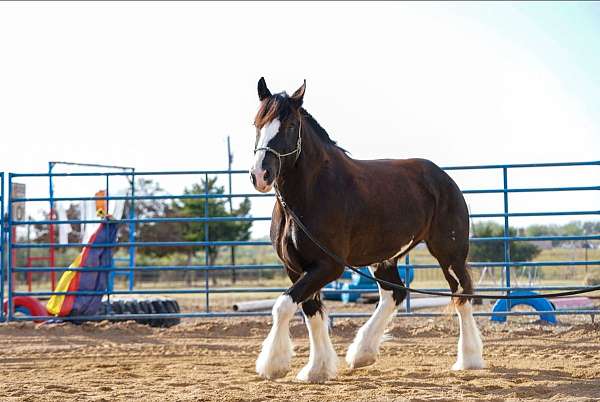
x: 267, y: 133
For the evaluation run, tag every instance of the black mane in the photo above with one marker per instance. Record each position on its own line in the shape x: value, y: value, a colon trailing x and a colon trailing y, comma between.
x: 279, y: 106
x: 320, y: 131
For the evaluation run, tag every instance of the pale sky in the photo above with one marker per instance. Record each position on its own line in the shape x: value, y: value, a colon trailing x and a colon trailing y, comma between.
x: 159, y: 86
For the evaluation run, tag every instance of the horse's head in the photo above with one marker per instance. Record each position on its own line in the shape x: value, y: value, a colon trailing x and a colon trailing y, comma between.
x: 278, y: 139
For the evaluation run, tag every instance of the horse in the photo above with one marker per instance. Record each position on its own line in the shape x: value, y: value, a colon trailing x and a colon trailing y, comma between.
x: 366, y: 212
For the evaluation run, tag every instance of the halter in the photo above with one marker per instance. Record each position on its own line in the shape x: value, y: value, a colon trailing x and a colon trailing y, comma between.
x: 296, y: 151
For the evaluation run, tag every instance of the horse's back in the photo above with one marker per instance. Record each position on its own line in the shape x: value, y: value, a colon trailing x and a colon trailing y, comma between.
x: 415, y: 174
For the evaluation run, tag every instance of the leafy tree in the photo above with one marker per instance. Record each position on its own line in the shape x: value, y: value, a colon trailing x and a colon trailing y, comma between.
x: 494, y: 250
x: 187, y: 231
x: 573, y: 228
x: 154, y: 231
x: 216, y: 207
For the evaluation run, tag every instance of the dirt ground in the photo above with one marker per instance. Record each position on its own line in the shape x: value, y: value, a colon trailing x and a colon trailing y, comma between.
x: 213, y: 360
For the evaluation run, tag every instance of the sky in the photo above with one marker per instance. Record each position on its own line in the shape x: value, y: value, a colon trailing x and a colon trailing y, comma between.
x: 160, y: 86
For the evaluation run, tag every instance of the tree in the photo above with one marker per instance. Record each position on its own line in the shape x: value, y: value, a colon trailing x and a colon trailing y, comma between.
x: 493, y: 251
x: 154, y: 231
x: 216, y: 207
x: 187, y: 231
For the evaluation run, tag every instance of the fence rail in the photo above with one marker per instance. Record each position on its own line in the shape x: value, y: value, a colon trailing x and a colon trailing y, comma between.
x: 11, y: 243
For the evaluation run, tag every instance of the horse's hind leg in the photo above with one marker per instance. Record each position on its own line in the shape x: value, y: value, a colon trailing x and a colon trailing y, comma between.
x: 365, y: 347
x: 451, y: 254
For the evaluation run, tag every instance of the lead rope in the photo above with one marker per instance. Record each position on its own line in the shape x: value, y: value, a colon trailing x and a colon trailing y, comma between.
x: 409, y: 289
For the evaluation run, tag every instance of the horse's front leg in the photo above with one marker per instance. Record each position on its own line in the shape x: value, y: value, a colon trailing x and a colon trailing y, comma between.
x: 323, y: 360
x: 275, y: 357
x: 274, y: 360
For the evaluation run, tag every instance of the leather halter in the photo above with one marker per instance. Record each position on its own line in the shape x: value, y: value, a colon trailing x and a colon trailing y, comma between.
x: 296, y: 151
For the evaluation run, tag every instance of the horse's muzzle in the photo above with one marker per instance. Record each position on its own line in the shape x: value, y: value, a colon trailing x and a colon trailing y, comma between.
x: 262, y: 179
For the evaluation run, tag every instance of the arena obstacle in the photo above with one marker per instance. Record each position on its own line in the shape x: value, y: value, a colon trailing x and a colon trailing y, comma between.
x: 254, y: 305
x: 26, y: 306
x: 505, y: 305
x: 357, y: 282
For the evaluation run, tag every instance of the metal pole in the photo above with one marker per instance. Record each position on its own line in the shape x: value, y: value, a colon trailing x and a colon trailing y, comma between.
x: 2, y: 244
x: 506, y: 230
x: 206, y: 237
x: 406, y: 276
x: 132, y: 228
x: 112, y: 273
x: 229, y: 162
x: 10, y: 307
x: 51, y: 227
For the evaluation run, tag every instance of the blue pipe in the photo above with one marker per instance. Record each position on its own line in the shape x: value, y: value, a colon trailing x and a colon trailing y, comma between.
x: 280, y: 266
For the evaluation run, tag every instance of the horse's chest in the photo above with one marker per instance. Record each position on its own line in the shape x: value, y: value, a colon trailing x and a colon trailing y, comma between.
x: 288, y: 247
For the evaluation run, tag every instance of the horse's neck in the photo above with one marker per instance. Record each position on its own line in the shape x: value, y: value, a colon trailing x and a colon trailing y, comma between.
x: 306, y: 180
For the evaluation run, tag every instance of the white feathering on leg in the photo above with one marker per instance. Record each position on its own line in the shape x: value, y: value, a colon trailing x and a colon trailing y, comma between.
x: 365, y: 347
x: 274, y: 360
x: 470, y: 346
x: 322, y: 362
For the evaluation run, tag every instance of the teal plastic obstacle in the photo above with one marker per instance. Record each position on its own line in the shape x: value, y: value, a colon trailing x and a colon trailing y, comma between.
x: 358, y: 282
x: 541, y: 304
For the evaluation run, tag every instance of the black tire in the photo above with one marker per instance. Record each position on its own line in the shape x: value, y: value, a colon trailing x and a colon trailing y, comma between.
x: 117, y: 307
x: 172, y: 307
x: 146, y: 307
x: 160, y: 308
x: 133, y: 306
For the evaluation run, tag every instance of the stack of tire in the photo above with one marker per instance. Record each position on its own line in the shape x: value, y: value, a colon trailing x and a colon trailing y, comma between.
x: 146, y: 307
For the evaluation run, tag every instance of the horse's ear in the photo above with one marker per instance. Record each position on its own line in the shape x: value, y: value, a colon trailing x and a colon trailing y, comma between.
x: 263, y: 91
x: 298, y: 97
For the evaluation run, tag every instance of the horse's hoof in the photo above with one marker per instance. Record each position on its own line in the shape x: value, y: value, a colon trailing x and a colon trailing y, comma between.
x: 308, y: 374
x: 364, y: 361
x: 272, y: 374
x: 272, y: 370
x: 357, y: 358
x: 472, y: 364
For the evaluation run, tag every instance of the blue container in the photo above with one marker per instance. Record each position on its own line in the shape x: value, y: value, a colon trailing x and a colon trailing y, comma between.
x: 358, y: 282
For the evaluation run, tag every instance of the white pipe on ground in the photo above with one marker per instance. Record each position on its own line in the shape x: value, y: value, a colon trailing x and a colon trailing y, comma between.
x: 254, y: 305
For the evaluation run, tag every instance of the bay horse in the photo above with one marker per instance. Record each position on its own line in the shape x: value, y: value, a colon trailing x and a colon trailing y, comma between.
x: 367, y: 212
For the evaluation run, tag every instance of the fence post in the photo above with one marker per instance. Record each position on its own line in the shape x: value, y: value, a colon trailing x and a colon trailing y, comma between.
x: 206, y: 239
x: 9, y: 310
x: 132, y: 228
x: 406, y: 276
x: 2, y: 245
x: 51, y: 217
x: 506, y: 230
x: 229, y: 162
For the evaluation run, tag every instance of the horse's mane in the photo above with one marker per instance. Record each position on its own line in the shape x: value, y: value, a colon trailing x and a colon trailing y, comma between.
x: 320, y: 131
x: 278, y: 106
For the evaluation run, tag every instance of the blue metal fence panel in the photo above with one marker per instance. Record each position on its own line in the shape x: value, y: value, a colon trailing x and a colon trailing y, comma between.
x: 2, y: 245
x: 206, y: 219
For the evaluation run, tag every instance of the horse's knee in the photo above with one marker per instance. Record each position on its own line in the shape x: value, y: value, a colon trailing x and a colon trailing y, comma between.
x: 284, y: 307
x: 388, y: 271
x: 312, y: 307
